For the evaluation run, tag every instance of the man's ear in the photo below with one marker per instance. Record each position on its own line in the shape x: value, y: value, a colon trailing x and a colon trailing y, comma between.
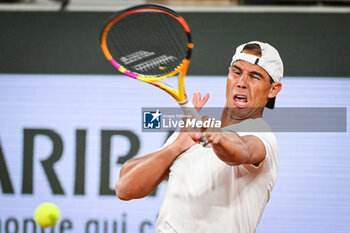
x: 275, y: 88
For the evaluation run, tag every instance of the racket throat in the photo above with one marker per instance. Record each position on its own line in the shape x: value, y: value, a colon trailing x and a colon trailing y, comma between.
x: 181, y: 87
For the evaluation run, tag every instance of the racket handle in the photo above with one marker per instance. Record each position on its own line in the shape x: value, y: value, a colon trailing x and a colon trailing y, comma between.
x: 190, y: 110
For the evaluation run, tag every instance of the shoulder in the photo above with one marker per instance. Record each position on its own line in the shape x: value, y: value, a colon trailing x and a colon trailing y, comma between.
x: 256, y: 126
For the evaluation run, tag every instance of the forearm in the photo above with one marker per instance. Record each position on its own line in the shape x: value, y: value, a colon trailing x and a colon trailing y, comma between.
x: 231, y: 149
x: 138, y: 177
x: 235, y: 150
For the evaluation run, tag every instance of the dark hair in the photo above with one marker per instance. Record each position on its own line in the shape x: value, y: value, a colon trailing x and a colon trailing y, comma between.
x: 254, y: 48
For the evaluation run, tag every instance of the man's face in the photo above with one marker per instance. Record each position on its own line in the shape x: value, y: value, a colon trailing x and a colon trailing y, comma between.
x: 248, y: 89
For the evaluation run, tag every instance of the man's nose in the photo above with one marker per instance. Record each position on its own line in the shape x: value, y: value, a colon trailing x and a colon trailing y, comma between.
x: 242, y: 81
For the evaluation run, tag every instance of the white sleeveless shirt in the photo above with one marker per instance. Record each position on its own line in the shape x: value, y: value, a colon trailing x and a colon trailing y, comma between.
x: 205, y: 195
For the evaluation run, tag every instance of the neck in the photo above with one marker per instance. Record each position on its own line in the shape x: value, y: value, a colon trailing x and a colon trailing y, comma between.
x: 228, y: 117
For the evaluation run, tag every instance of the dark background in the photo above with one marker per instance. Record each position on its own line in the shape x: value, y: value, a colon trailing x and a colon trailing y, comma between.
x: 314, y: 44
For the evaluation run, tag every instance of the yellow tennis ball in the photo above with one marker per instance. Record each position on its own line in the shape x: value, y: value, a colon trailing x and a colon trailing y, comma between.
x: 47, y: 214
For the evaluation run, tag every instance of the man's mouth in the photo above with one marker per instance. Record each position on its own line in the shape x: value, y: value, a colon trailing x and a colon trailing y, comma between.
x: 240, y: 100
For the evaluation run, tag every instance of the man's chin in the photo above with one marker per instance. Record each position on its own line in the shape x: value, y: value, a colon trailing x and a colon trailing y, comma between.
x: 239, y: 114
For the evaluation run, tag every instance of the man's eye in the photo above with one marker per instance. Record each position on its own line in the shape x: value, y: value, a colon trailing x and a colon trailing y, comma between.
x: 256, y: 77
x: 237, y: 72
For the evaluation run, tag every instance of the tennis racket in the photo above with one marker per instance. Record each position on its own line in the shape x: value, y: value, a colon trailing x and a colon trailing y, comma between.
x: 150, y: 43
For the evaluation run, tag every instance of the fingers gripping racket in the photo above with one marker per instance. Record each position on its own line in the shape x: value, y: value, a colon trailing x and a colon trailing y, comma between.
x: 149, y: 43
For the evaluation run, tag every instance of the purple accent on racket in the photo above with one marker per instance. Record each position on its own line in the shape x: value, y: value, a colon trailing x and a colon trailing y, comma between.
x: 127, y: 72
x: 116, y: 65
x: 130, y: 74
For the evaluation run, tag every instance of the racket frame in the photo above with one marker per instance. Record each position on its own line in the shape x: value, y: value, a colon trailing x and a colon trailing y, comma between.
x: 179, y: 95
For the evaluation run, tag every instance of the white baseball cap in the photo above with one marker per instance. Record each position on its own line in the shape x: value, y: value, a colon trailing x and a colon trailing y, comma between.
x: 270, y: 61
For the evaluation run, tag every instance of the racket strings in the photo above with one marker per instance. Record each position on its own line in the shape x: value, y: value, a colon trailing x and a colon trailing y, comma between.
x: 158, y: 36
x: 147, y: 43
x: 166, y: 35
x: 172, y: 47
x: 120, y: 35
x: 120, y: 39
x: 174, y: 34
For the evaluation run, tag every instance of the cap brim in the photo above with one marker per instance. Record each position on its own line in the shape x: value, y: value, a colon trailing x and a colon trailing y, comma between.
x: 271, y: 103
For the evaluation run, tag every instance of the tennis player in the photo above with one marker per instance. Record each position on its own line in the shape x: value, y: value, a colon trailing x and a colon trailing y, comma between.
x: 226, y: 186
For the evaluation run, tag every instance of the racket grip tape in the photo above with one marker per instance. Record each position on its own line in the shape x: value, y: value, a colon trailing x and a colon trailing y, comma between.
x: 190, y: 110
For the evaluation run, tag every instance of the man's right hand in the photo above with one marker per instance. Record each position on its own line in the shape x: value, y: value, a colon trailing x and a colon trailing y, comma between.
x: 189, y: 136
